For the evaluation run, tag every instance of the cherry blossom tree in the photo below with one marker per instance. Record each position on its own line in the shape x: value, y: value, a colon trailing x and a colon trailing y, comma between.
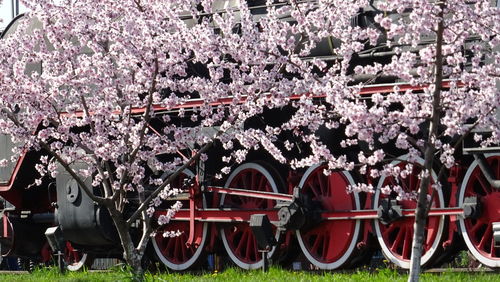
x: 94, y: 83
x: 104, y: 83
x: 462, y: 49
x: 433, y: 42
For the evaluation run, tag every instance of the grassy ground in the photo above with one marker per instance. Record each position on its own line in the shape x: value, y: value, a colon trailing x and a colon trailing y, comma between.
x: 275, y: 274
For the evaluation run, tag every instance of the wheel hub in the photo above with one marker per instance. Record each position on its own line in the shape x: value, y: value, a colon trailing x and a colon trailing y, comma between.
x: 389, y: 211
x: 491, y: 209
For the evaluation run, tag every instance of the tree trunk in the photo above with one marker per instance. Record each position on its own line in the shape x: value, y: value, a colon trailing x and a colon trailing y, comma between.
x: 132, y: 256
x: 134, y: 261
x: 421, y: 216
x: 421, y: 210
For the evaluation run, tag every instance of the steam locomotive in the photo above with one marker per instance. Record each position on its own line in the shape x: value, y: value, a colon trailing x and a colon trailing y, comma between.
x: 312, y: 217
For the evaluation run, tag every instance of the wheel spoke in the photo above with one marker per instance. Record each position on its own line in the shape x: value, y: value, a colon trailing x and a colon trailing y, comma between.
x: 260, y: 203
x: 407, y: 243
x: 332, y: 248
x: 245, y: 183
x: 412, y: 179
x: 314, y: 190
x: 249, y: 251
x: 431, y: 232
x: 415, y: 188
x: 270, y: 203
x: 483, y: 184
x: 476, y: 226
x: 241, y: 243
x: 176, y: 251
x: 252, y: 181
x: 241, y: 183
x: 321, y: 184
x: 389, y: 229
x: 262, y: 184
x: 184, y: 250
x: 317, y: 242
x: 486, y: 237
x: 328, y: 182
x: 326, y: 243
x: 397, y: 241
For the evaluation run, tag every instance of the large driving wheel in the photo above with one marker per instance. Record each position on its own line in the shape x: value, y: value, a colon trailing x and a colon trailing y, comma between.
x: 238, y: 239
x: 396, y: 237
x: 477, y: 231
x: 173, y: 252
x: 331, y: 243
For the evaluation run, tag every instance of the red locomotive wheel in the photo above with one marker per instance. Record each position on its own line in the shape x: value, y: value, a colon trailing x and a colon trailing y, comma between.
x: 396, y: 237
x: 330, y: 244
x: 75, y: 259
x: 173, y: 251
x: 477, y: 232
x: 238, y: 239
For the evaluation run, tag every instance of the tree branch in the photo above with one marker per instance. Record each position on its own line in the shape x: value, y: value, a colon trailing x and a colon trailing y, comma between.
x: 73, y: 174
x: 145, y: 204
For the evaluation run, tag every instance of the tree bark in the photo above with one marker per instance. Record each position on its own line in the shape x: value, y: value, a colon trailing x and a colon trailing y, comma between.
x: 421, y: 210
x: 132, y: 255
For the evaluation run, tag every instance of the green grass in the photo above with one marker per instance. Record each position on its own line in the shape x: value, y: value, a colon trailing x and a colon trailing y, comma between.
x: 233, y: 274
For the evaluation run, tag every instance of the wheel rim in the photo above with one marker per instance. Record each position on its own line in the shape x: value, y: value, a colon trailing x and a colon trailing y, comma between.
x: 75, y: 259
x: 173, y: 251
x: 317, y: 243
x: 238, y: 239
x: 396, y: 238
x: 477, y: 233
